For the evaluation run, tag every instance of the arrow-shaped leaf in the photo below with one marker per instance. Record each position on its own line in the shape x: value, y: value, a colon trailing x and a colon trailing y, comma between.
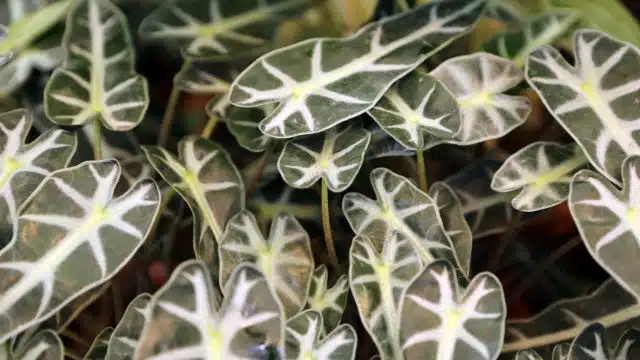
x: 599, y: 90
x: 329, y: 302
x: 285, y: 258
x: 419, y: 112
x: 335, y: 156
x: 440, y: 321
x: 478, y: 82
x: 319, y: 83
x: 303, y: 339
x: 542, y: 171
x: 609, y: 220
x: 71, y: 236
x: 591, y: 344
x: 124, y: 340
x: 97, y: 80
x: 400, y: 207
x: 44, y: 345
x: 186, y: 324
x: 377, y: 281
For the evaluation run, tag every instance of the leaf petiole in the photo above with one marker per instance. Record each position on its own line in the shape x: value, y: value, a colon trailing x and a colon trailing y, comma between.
x: 422, y: 170
x: 97, y: 135
x: 326, y: 225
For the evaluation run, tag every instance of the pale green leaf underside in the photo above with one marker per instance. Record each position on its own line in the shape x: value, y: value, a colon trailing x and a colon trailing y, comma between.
x: 243, y: 125
x: 186, y: 324
x: 600, y: 90
x: 542, y: 171
x: 439, y: 321
x: 97, y: 80
x: 334, y: 156
x: 44, y: 345
x: 562, y: 321
x: 478, y: 82
x: 213, y: 29
x: 199, y: 78
x: 207, y: 179
x: 401, y: 207
x: 304, y: 340
x: 23, y: 167
x: 592, y: 344
x: 285, y: 257
x: 124, y: 340
x: 329, y: 302
x: 377, y: 281
x: 454, y: 224
x: 419, y: 112
x: 71, y: 236
x: 100, y: 345
x: 609, y: 220
x: 319, y: 83
x: 540, y: 30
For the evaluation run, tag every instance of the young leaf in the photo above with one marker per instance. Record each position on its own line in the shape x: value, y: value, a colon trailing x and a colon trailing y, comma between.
x: 438, y: 321
x: 377, y: 281
x: 335, y: 156
x: 44, y: 345
x: 285, y: 258
x: 329, y: 302
x: 186, y: 324
x: 591, y: 344
x: 71, y: 236
x: 206, y: 178
x: 400, y: 207
x: 24, y: 166
x: 124, y: 340
x: 319, y: 83
x: 454, y: 224
x: 100, y: 345
x: 608, y: 220
x: 97, y: 80
x: 303, y: 339
x: 542, y: 171
x: 419, y: 111
x: 528, y: 355
x: 599, y: 91
x: 478, y: 82
x: 543, y: 29
x: 198, y: 78
x: 609, y: 305
x: 243, y: 125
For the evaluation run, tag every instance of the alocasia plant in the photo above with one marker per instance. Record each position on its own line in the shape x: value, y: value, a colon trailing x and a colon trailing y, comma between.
x: 329, y: 302
x: 303, y: 339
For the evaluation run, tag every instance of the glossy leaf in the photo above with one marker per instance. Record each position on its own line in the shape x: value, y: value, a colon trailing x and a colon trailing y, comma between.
x: 243, y: 125
x: 186, y: 323
x: 319, y: 83
x: 591, y: 344
x: 543, y: 171
x: 609, y: 220
x: 213, y: 29
x: 99, y: 346
x: 400, y: 207
x: 44, y: 345
x: 441, y: 321
x: 97, y: 80
x: 285, y: 257
x: 335, y: 157
x: 71, y: 237
x: 377, y: 281
x: 599, y: 91
x: 304, y: 342
x: 454, y: 224
x: 478, y: 82
x: 24, y: 166
x: 544, y: 29
x: 418, y: 112
x: 329, y: 302
x: 124, y: 340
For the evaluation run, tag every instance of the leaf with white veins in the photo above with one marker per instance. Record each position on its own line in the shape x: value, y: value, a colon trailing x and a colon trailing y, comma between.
x: 478, y: 82
x: 285, y: 257
x: 527, y: 355
x: 378, y: 280
x: 303, y: 339
x: 591, y: 344
x: 542, y: 171
x: 319, y: 83
x: 100, y: 345
x: 44, y: 345
x: 243, y: 125
x: 72, y: 236
x: 199, y: 78
x: 329, y: 302
x: 185, y: 322
x: 124, y: 340
x: 439, y: 321
x: 600, y: 91
x: 97, y: 80
x: 335, y: 156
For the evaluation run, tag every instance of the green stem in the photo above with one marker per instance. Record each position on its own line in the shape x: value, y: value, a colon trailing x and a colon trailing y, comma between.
x: 422, y: 170
x: 210, y: 126
x: 169, y: 111
x: 326, y: 226
x: 97, y: 139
